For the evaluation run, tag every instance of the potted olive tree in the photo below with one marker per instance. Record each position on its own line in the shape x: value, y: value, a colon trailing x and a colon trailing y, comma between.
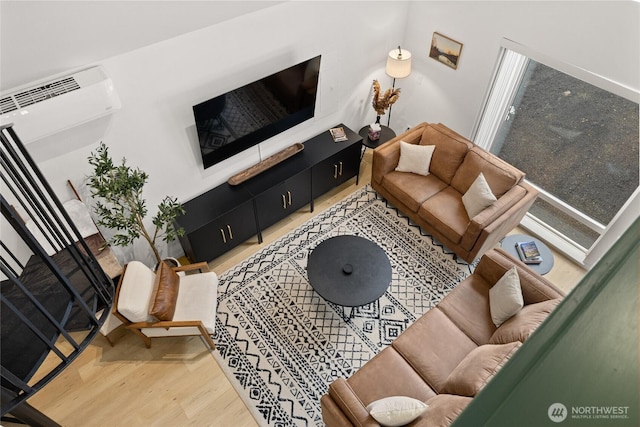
x: 119, y: 204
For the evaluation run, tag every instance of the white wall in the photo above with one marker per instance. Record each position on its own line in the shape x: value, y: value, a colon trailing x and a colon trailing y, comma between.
x: 159, y: 83
x: 43, y: 38
x: 600, y: 37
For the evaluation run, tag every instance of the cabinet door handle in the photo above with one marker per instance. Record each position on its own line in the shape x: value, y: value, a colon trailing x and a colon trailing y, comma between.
x: 340, y: 169
x: 230, y: 233
x: 335, y: 171
x: 224, y: 238
x: 284, y: 202
x: 289, y: 196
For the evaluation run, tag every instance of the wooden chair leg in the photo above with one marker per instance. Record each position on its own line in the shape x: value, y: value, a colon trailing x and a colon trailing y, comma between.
x: 145, y: 339
x: 207, y: 337
x: 106, y: 337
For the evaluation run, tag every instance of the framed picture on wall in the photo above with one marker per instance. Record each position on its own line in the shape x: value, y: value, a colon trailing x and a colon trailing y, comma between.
x: 445, y: 50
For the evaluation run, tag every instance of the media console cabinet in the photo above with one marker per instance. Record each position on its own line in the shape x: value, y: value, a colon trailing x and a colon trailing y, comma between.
x: 227, y: 215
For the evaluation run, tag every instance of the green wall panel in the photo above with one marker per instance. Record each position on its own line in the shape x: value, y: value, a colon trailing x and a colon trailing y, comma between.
x: 580, y: 368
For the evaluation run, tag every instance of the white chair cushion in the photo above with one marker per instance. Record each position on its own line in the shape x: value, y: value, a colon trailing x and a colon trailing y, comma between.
x: 136, y: 292
x: 197, y: 300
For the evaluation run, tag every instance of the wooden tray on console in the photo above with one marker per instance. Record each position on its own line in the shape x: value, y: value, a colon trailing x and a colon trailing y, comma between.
x: 270, y: 161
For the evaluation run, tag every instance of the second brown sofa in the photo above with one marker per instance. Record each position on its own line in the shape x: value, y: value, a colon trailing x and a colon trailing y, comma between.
x: 446, y: 356
x: 434, y: 201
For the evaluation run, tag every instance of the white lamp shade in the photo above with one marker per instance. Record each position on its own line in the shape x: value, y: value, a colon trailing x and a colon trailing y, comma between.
x: 399, y: 63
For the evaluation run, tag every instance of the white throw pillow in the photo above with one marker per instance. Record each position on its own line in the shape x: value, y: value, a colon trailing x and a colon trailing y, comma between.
x: 505, y: 297
x: 478, y: 197
x: 415, y: 158
x: 396, y: 411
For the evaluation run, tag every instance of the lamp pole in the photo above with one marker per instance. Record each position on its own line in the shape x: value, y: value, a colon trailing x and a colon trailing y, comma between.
x: 393, y: 87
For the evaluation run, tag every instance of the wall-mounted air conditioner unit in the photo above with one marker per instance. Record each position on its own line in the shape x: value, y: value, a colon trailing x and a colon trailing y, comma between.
x: 56, y: 116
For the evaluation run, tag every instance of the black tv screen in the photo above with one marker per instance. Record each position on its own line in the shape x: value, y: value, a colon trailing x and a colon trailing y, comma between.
x: 232, y: 122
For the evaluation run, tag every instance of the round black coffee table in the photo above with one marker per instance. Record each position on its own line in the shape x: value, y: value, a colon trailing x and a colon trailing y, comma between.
x: 349, y: 271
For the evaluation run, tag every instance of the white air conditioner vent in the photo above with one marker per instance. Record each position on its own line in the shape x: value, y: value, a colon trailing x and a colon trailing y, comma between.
x: 7, y: 105
x: 42, y: 93
x: 60, y: 114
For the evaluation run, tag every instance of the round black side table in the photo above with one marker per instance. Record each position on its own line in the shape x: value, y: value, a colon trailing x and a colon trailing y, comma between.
x: 386, y: 133
x: 349, y: 271
x: 509, y: 245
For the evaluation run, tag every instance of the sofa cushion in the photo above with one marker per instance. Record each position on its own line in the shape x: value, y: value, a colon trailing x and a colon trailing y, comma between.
x: 446, y: 213
x: 412, y: 190
x: 450, y: 150
x: 415, y: 158
x: 398, y: 377
x: 478, y: 367
x: 442, y: 411
x: 467, y: 306
x: 396, y: 411
x: 478, y: 197
x: 522, y: 325
x: 500, y: 175
x: 423, y: 345
x: 505, y: 297
x: 167, y: 285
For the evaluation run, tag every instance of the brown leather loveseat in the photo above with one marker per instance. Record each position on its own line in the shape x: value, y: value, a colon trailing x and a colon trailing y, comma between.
x: 435, y: 200
x: 446, y: 356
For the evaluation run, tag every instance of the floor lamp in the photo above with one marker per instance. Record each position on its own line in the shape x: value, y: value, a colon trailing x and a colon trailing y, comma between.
x: 398, y: 67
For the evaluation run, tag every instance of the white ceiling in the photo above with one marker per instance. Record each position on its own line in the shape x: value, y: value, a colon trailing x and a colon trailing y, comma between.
x: 39, y: 39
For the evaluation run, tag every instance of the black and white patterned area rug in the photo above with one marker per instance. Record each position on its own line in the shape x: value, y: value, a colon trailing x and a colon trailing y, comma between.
x: 281, y: 344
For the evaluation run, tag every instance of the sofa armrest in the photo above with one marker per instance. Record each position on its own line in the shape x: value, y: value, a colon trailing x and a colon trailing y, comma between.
x: 493, y: 213
x: 515, y: 195
x: 332, y: 415
x: 386, y: 156
x: 535, y: 288
x: 491, y: 225
x: 341, y: 393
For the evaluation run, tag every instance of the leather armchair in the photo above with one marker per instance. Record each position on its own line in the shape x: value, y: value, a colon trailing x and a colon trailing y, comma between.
x: 168, y: 302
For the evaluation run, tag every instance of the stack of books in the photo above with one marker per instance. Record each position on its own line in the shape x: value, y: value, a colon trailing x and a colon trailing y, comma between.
x: 338, y: 134
x: 528, y: 252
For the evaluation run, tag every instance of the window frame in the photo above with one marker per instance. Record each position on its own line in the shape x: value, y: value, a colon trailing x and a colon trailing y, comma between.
x: 510, y: 68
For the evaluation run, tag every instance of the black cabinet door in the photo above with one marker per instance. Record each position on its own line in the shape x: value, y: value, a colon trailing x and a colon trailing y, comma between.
x: 336, y: 169
x: 283, y: 199
x: 221, y: 234
x: 349, y: 163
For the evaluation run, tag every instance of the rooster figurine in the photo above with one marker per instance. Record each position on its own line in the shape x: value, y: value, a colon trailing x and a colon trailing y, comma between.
x: 381, y: 102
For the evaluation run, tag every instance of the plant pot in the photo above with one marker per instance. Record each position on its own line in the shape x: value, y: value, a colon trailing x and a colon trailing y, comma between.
x: 173, y: 262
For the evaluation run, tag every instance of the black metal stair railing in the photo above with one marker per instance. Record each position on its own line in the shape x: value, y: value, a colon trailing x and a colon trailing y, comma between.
x: 52, y: 285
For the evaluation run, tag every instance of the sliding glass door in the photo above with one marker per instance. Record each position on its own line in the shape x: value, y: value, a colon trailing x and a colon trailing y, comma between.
x: 576, y: 141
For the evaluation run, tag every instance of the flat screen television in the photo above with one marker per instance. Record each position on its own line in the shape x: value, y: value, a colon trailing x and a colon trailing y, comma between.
x: 232, y: 122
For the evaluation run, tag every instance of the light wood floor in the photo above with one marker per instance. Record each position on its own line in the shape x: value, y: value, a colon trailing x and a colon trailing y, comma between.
x: 177, y: 382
